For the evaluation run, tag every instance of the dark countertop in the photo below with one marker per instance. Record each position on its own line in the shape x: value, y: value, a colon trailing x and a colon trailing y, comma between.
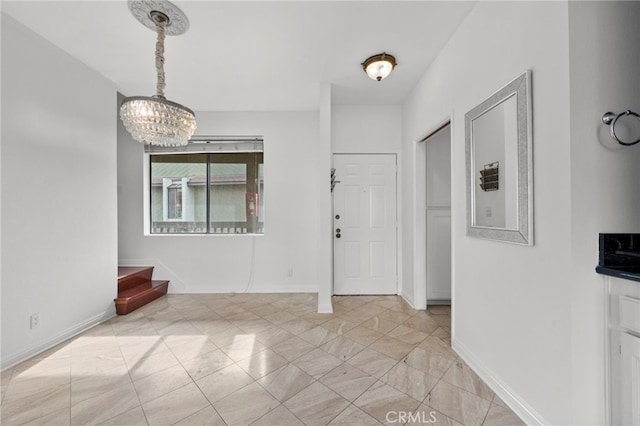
x: 618, y: 273
x: 619, y: 256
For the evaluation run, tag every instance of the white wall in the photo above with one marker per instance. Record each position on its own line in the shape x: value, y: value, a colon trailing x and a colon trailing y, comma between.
x: 605, y: 177
x: 511, y: 313
x: 222, y: 263
x: 59, y: 224
x: 363, y: 129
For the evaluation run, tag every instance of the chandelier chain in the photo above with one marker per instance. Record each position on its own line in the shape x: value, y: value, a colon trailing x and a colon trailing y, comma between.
x: 160, y: 61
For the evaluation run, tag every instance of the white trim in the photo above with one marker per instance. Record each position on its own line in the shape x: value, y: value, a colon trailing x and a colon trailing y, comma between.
x: 408, y: 302
x: 325, y: 308
x: 517, y: 404
x: 420, y: 213
x: 24, y: 355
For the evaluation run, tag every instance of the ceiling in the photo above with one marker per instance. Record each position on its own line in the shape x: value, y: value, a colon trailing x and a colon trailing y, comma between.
x: 254, y: 55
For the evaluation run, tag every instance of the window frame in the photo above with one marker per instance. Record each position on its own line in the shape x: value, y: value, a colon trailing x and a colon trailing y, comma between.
x: 253, y: 160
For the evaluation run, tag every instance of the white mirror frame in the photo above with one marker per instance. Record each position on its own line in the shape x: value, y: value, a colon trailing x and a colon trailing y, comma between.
x: 523, y: 232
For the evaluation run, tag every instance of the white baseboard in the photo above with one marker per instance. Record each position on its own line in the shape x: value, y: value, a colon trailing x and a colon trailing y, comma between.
x: 409, y: 302
x: 528, y: 415
x: 24, y: 355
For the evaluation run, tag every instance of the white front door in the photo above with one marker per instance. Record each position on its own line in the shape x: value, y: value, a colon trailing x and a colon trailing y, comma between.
x: 364, y: 224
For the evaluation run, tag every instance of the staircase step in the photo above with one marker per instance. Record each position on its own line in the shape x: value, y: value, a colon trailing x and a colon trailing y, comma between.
x: 132, y: 298
x: 133, y: 276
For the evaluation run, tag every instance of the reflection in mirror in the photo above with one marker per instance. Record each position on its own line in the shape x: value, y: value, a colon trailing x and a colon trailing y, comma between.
x: 498, y: 166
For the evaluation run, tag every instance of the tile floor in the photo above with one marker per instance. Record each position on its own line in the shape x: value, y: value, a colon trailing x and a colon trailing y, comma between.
x: 261, y: 359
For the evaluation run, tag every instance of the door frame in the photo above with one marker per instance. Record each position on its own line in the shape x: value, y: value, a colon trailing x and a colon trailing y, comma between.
x: 398, y: 220
x: 420, y: 215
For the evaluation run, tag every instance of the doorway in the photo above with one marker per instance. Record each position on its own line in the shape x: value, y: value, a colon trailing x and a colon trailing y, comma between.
x: 365, y: 224
x: 438, y: 216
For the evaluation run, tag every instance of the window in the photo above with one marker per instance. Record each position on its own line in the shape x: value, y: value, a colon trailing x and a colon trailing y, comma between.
x: 207, y: 192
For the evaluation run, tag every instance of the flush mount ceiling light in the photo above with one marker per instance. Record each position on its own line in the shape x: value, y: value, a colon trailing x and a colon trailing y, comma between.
x: 154, y: 119
x: 379, y: 66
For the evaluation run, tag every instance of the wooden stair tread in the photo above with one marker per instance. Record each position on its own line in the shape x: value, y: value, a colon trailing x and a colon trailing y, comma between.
x: 132, y: 276
x: 142, y: 288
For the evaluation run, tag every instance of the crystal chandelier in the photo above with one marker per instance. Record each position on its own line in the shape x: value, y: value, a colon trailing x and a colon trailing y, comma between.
x: 154, y: 119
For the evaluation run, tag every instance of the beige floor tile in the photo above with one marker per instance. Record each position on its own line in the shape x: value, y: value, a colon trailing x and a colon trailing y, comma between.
x: 104, y: 406
x: 317, y: 363
x: 95, y: 385
x: 391, y: 347
x: 501, y: 416
x: 363, y: 335
x: 262, y: 363
x: 342, y: 348
x: 381, y: 325
x: 243, y: 346
x: 193, y: 349
x: 242, y: 317
x: 38, y: 404
x: 357, y: 316
x: 175, y: 406
x: 43, y: 367
x: 279, y: 416
x: 280, y: 317
x: 381, y: 399
x: 186, y: 333
x: 225, y: 334
x: 439, y: 310
x: 425, y: 325
x: 205, y: 364
x: 439, y: 345
x: 460, y: 405
x: 297, y: 326
x: 60, y: 417
x: 317, y: 318
x: 254, y: 326
x: 430, y: 362
x: 133, y: 417
x: 372, y: 362
x: 348, y: 381
x: 499, y: 401
x: 318, y: 336
x: 293, y: 348
x: 273, y: 336
x: 265, y: 309
x: 415, y: 383
x: 427, y: 415
x: 205, y: 417
x: 395, y: 316
x: 134, y: 348
x: 316, y: 404
x: 407, y: 335
x: 286, y: 381
x: 351, y: 416
x: 160, y: 383
x: 245, y: 405
x: 144, y: 367
x: 339, y: 325
x: 461, y: 375
x: 24, y: 383
x: 370, y: 308
x: 223, y: 382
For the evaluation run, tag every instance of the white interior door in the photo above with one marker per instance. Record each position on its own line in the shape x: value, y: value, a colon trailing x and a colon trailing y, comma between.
x: 630, y: 378
x: 365, y: 225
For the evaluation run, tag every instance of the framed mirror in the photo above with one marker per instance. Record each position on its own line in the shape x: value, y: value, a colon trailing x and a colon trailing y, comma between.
x: 499, y: 165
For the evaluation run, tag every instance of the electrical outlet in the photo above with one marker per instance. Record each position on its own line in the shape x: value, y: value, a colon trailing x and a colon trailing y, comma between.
x: 35, y: 320
x: 290, y: 273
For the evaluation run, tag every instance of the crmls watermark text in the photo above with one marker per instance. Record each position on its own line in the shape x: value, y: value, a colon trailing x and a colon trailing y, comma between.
x: 418, y: 417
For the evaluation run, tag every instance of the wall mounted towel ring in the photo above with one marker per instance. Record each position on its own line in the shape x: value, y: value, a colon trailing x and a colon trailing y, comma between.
x: 610, y: 119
